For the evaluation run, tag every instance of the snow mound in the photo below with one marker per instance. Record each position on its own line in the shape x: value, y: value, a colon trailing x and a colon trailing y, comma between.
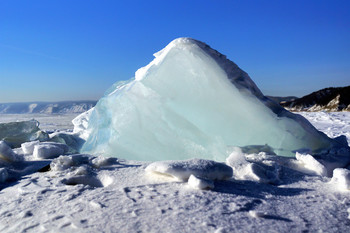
x: 183, y: 169
x: 313, y: 166
x: 341, y: 177
x: 191, y: 101
x: 200, y: 183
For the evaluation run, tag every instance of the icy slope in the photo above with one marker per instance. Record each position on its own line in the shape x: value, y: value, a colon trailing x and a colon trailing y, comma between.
x: 183, y: 105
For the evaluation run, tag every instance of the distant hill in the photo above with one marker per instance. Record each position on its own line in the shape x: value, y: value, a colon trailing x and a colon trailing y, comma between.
x: 279, y: 99
x: 64, y: 107
x: 330, y: 99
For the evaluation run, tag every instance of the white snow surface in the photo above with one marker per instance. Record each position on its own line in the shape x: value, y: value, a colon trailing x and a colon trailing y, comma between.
x: 191, y: 101
x: 85, y: 193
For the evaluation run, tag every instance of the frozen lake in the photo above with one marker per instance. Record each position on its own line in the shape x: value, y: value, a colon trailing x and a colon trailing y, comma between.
x: 48, y: 122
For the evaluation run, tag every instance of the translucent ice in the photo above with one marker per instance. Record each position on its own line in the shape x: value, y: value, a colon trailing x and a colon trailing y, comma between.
x: 191, y: 101
x: 16, y: 133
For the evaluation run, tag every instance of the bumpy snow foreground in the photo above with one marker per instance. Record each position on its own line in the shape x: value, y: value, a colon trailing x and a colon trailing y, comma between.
x: 192, y: 102
x: 44, y: 191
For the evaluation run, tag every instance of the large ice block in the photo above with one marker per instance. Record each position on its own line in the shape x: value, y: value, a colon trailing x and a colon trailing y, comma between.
x: 191, y: 101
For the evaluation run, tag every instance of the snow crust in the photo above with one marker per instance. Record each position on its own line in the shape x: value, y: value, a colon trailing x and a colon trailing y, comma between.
x: 192, y: 102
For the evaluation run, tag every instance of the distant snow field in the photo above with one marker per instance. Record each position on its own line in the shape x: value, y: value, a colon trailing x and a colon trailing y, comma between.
x: 333, y: 124
x: 48, y: 122
x: 84, y: 193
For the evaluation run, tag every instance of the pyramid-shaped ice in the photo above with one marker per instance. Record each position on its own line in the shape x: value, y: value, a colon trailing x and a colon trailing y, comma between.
x: 191, y: 101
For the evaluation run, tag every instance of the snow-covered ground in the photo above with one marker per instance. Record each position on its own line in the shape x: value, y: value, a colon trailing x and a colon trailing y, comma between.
x: 333, y: 124
x: 82, y: 193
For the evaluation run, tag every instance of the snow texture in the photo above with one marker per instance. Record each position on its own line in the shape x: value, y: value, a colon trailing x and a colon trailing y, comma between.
x: 183, y: 169
x: 78, y: 196
x: 192, y: 102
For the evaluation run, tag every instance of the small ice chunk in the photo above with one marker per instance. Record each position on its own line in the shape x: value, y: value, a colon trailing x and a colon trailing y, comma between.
x: 311, y: 164
x: 262, y: 172
x: 3, y: 175
x: 81, y: 123
x: 28, y: 147
x: 73, y: 141
x: 6, y: 153
x: 200, y: 183
x: 341, y: 177
x: 254, y: 172
x: 236, y: 158
x: 183, y: 169
x: 257, y: 214
x: 49, y: 150
x: 81, y: 171
x: 102, y: 161
x: 61, y: 163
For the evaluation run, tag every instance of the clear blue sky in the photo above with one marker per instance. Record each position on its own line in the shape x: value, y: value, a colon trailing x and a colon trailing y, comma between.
x: 74, y: 50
